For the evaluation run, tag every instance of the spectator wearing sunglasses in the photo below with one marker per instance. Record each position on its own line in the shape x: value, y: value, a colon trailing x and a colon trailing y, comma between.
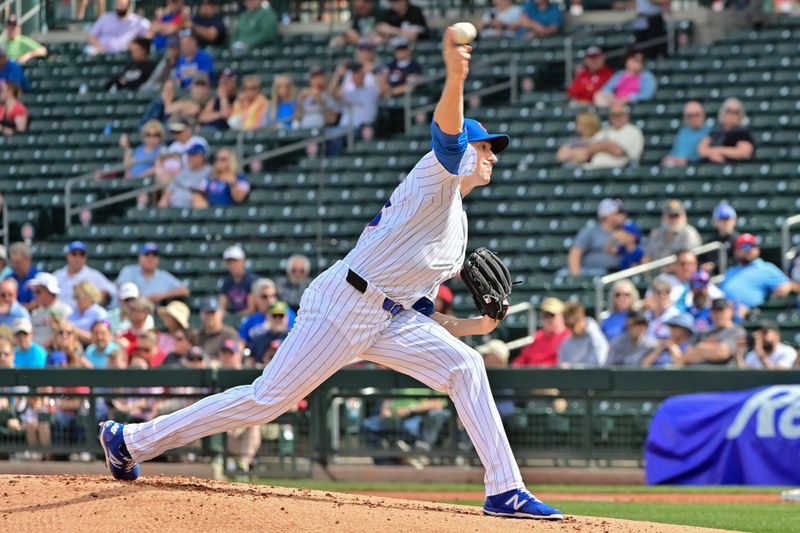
x: 263, y: 346
x: 76, y: 271
x: 225, y: 186
x: 674, y: 234
x: 291, y: 287
x: 694, y: 130
x: 153, y: 283
x: 185, y: 353
x: 264, y: 294
x: 731, y: 141
x: 140, y: 162
x: 28, y: 353
x: 175, y: 317
x: 623, y: 299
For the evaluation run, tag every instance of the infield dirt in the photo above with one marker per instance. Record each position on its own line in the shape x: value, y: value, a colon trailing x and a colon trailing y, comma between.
x: 87, y: 504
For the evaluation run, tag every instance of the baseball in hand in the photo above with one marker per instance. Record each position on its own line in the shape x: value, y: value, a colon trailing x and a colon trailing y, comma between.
x: 464, y: 33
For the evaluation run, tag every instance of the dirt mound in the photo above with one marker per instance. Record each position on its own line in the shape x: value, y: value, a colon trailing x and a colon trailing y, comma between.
x: 85, y: 503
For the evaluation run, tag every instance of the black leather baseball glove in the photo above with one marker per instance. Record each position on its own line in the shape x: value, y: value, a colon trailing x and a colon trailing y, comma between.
x: 489, y: 281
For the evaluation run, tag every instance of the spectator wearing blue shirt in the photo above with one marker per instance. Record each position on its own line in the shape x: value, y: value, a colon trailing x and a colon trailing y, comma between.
x: 141, y: 161
x: 12, y: 71
x: 192, y: 60
x: 28, y: 353
x: 237, y: 285
x: 700, y: 308
x: 264, y: 294
x: 153, y: 283
x: 753, y: 280
x: 694, y: 130
x: 23, y: 272
x: 629, y: 245
x: 225, y: 187
x: 540, y: 18
x: 102, y: 345
x: 623, y: 298
x: 10, y: 308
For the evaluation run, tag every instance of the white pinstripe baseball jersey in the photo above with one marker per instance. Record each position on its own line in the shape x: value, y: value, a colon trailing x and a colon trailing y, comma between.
x: 418, y: 239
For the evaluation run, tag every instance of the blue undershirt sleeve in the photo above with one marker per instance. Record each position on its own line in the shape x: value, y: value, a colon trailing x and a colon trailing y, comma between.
x: 449, y: 149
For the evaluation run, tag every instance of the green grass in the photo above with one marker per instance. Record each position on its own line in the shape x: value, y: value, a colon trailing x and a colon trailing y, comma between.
x: 766, y: 518
x: 466, y: 487
x: 760, y: 518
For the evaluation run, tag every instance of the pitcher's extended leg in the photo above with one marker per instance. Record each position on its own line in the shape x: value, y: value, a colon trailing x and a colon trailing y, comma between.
x: 419, y: 347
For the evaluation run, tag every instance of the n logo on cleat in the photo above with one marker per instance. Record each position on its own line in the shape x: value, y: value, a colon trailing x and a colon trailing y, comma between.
x: 515, y: 503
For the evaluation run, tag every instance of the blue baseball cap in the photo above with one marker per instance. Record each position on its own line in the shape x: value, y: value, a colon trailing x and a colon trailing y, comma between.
x: 148, y: 248
x: 210, y: 304
x: 724, y: 211
x: 633, y: 229
x: 196, y: 148
x: 478, y: 132
x: 76, y: 246
x: 699, y: 280
x: 683, y: 320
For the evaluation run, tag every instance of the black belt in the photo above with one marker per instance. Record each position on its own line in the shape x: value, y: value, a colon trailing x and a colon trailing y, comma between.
x: 360, y: 284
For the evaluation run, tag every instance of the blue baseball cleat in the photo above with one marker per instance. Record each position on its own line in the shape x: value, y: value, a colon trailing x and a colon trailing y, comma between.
x: 118, y: 459
x: 519, y: 503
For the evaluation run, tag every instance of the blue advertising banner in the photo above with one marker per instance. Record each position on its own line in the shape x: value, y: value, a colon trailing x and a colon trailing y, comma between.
x: 743, y: 438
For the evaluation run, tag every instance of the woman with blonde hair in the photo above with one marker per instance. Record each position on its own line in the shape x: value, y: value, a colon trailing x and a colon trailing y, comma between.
x: 250, y: 108
x: 730, y: 141
x: 141, y: 161
x: 226, y: 186
x: 623, y: 298
x: 66, y: 346
x: 87, y: 310
x: 587, y: 124
x: 283, y: 105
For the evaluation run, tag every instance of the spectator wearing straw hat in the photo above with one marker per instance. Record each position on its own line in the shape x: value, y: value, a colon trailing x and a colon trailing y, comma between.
x: 153, y: 283
x: 175, y: 317
x: 543, y: 350
x: 77, y: 270
x: 236, y: 286
x: 48, y: 306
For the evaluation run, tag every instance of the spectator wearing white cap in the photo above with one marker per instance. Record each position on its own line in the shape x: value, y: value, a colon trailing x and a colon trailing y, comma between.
x: 291, y: 287
x: 235, y: 290
x: 495, y: 355
x: 28, y: 353
x: 48, y: 306
x: 10, y: 309
x: 590, y: 254
x: 153, y: 283
x: 76, y: 270
x: 118, y: 316
x: 182, y: 130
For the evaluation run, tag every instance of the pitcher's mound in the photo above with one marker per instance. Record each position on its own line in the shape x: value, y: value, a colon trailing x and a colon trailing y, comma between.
x: 58, y: 504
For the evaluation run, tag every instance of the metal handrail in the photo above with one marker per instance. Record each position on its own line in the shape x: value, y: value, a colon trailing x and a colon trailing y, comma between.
x: 601, y: 282
x: 786, y: 241
x: 70, y: 211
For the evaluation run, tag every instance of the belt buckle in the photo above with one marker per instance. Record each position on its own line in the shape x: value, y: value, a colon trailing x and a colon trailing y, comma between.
x: 391, y: 307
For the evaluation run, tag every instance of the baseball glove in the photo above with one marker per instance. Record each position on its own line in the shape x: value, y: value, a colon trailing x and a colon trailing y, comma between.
x: 489, y: 281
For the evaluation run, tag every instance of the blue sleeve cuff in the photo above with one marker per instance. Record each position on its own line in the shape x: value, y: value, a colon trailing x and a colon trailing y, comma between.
x: 449, y: 149
x: 424, y: 306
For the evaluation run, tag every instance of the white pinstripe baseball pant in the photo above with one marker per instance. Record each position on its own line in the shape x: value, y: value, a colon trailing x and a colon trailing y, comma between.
x: 336, y: 324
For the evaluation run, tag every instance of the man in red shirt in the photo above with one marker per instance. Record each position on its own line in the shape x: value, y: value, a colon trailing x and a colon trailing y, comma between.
x: 543, y: 351
x: 591, y: 77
